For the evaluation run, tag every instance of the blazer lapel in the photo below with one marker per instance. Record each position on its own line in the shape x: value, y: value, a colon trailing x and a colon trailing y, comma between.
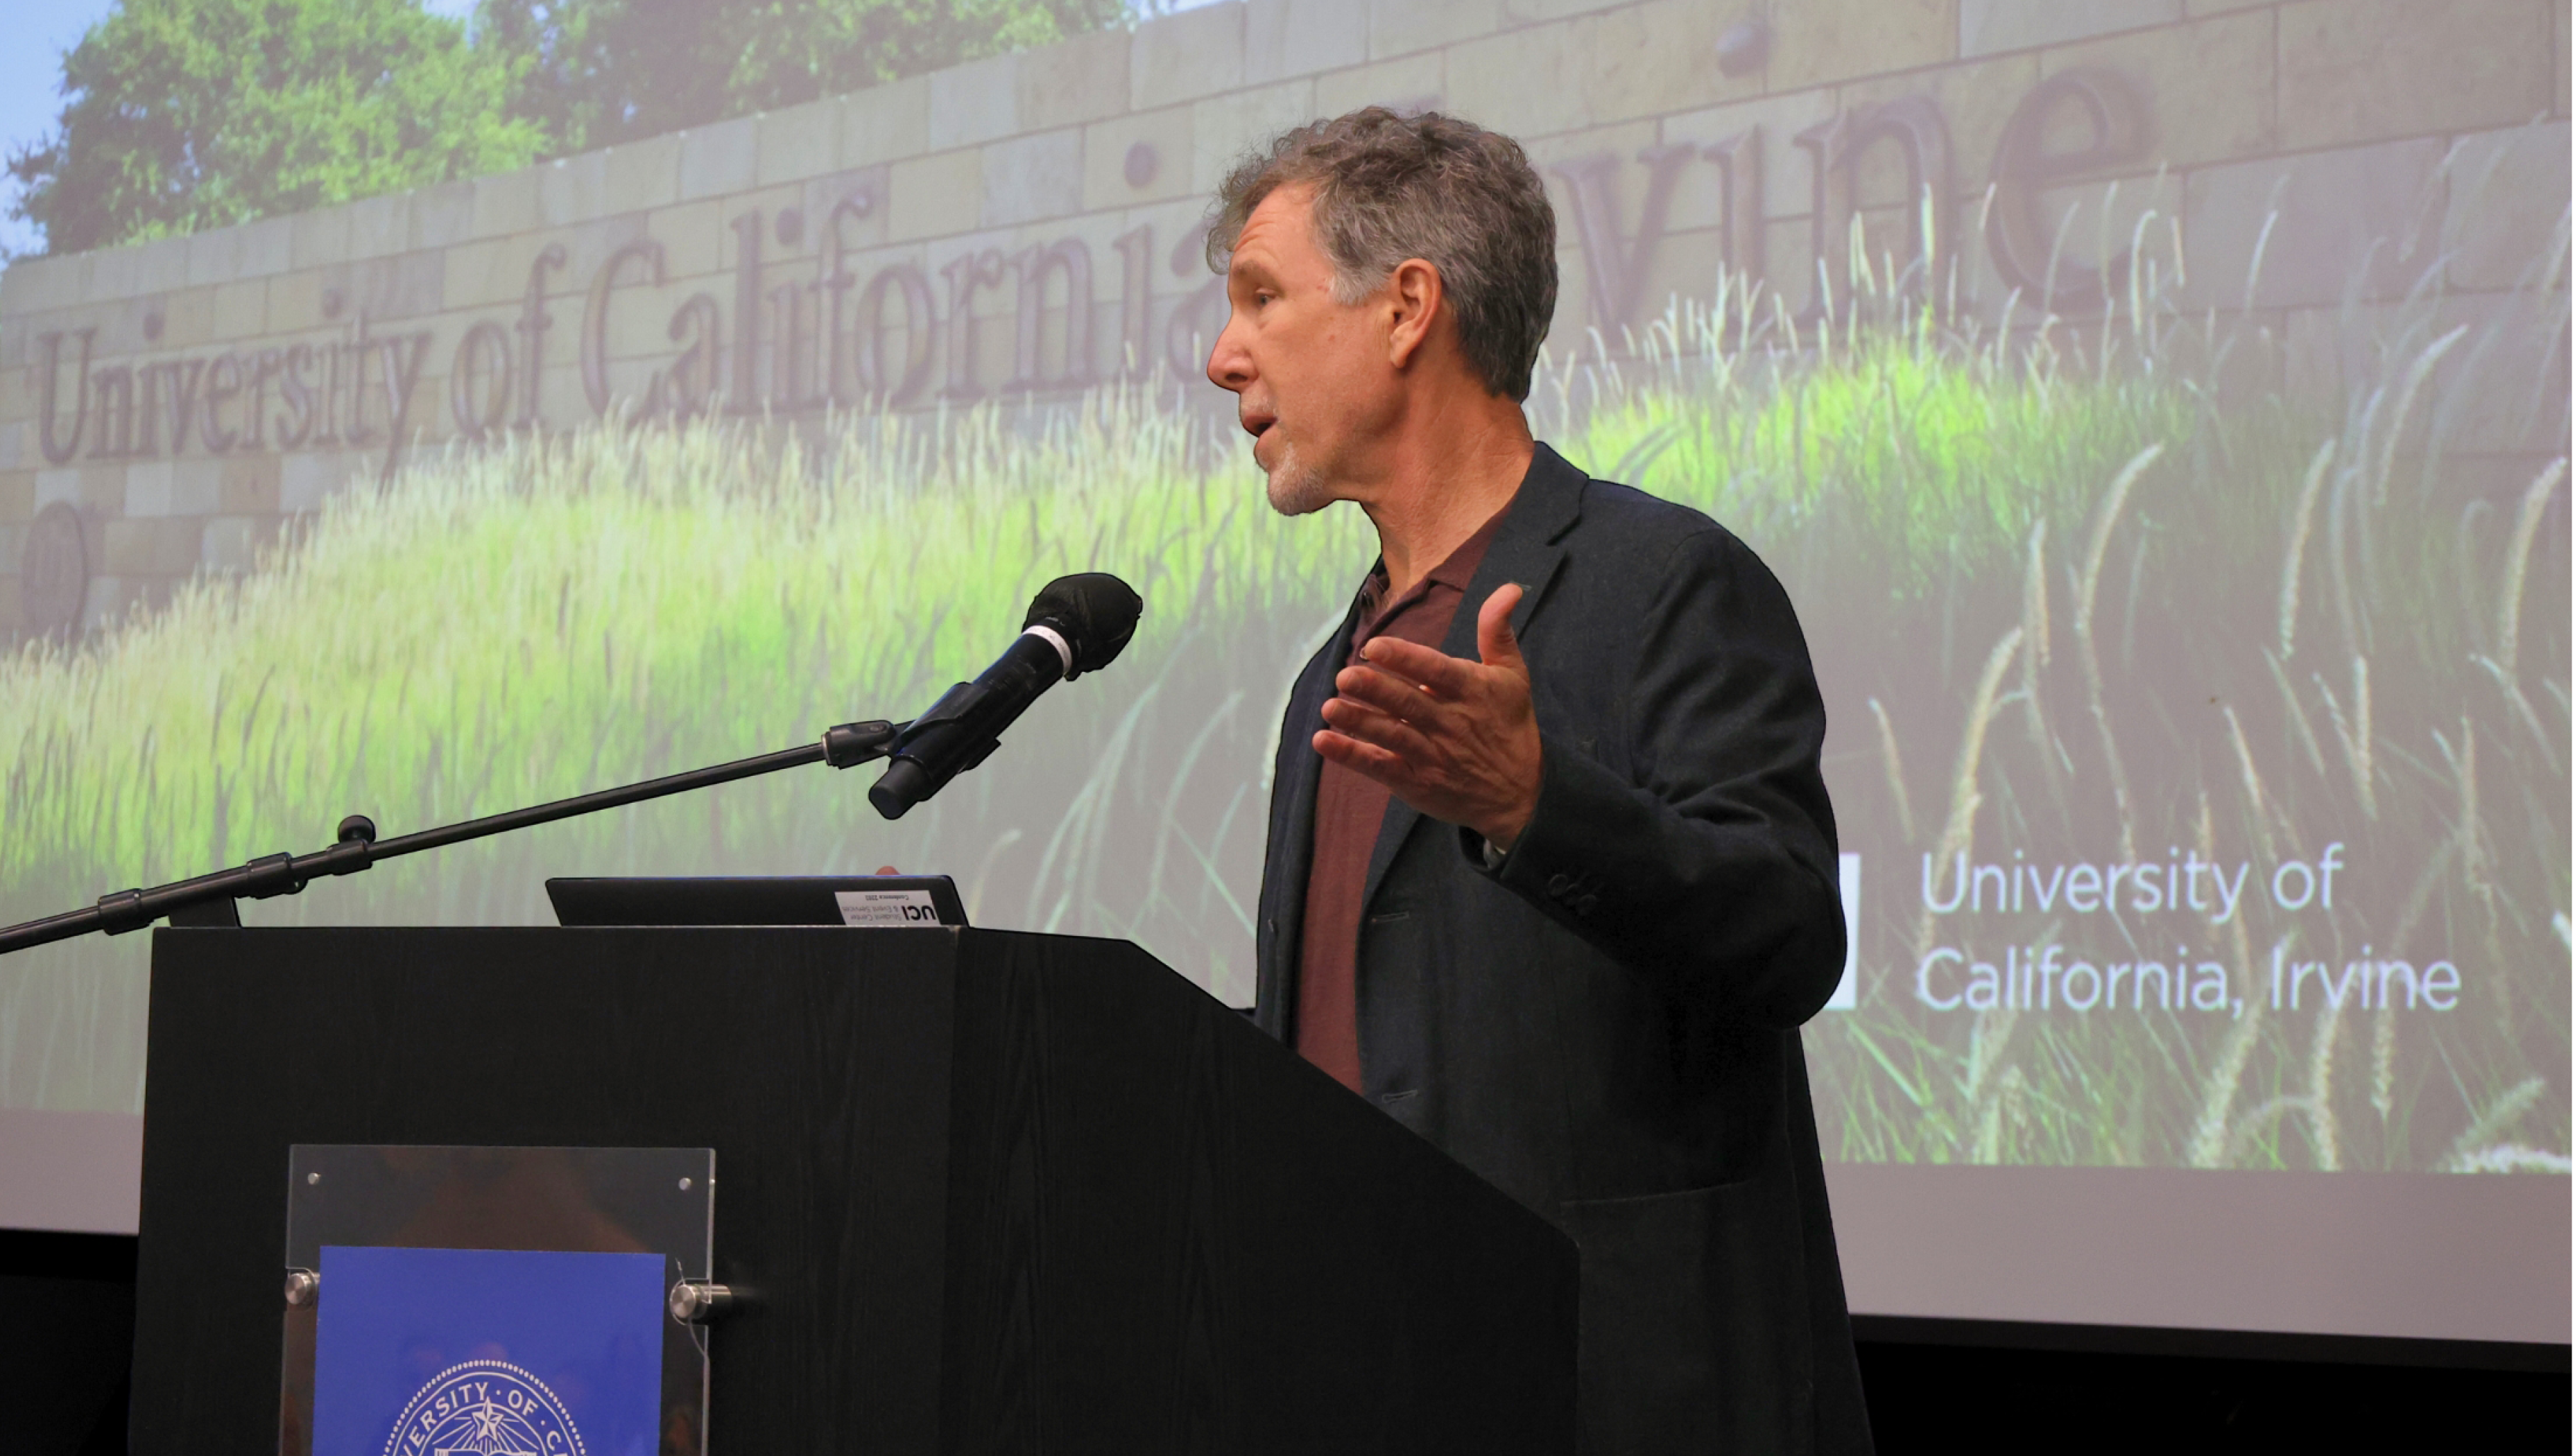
x: 1290, y: 860
x: 1525, y: 550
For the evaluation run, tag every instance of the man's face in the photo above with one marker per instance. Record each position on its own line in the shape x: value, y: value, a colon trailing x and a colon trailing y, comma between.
x: 1312, y: 375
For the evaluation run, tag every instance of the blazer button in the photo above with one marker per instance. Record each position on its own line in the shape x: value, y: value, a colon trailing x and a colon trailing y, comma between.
x: 1556, y: 885
x: 1583, y: 906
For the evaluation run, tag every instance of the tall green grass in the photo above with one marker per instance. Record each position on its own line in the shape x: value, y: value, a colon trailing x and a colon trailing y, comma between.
x: 2061, y: 601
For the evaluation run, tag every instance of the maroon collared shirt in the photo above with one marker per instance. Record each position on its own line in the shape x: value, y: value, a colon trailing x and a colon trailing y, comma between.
x: 1350, y: 809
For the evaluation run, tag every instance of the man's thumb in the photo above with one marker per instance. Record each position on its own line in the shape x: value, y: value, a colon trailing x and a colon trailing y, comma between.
x: 1494, y: 640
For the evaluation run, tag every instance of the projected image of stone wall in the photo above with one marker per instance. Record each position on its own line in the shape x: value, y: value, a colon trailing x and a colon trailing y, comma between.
x: 2157, y: 416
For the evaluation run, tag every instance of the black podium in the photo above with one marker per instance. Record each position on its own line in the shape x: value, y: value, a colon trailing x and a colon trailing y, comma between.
x: 980, y: 1191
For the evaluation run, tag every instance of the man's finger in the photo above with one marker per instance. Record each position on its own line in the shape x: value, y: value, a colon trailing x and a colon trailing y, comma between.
x: 1372, y: 724
x: 1386, y: 769
x: 1495, y: 642
x: 1413, y: 663
x: 1388, y: 692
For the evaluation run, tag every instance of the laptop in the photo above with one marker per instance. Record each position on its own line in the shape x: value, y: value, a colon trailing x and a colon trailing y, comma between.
x: 891, y: 901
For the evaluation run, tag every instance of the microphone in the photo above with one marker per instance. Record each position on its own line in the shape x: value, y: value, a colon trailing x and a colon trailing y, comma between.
x: 1077, y: 625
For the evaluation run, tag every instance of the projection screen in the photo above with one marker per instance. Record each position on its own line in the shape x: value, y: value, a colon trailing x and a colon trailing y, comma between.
x: 2159, y: 421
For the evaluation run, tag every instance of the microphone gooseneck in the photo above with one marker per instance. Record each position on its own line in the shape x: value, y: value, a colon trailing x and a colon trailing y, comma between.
x: 1078, y: 624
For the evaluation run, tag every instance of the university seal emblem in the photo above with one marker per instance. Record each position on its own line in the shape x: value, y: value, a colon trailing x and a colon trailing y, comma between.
x: 484, y: 1408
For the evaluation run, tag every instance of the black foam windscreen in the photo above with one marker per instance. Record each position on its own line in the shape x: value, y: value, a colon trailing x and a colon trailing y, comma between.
x: 1094, y: 612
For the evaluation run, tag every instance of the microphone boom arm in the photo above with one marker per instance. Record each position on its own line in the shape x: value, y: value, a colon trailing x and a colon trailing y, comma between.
x: 844, y: 747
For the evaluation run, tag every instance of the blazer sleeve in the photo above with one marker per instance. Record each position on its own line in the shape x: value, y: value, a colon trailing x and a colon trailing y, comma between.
x: 1711, y: 869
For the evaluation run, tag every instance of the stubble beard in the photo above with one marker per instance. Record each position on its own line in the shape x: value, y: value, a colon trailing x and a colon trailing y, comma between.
x: 1297, y: 489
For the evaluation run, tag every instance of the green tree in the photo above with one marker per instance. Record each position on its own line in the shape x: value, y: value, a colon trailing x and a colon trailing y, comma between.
x: 191, y: 114
x: 597, y: 72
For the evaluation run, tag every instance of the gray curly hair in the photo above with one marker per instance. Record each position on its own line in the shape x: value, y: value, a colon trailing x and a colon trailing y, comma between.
x: 1388, y: 187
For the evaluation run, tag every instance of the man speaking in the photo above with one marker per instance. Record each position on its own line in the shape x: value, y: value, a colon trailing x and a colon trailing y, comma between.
x: 1551, y: 876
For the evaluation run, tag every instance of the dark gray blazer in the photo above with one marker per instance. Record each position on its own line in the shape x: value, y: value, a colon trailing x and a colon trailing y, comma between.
x: 1604, y: 1025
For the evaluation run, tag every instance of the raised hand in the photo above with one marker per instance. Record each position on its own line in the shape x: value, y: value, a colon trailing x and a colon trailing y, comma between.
x: 1454, y: 738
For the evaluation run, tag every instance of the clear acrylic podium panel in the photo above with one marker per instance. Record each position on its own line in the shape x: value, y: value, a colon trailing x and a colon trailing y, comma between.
x: 558, y: 1199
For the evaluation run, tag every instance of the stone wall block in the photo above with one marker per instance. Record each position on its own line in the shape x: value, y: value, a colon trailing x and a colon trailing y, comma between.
x: 588, y: 247
x: 1401, y: 27
x: 1407, y: 83
x: 162, y: 264
x: 638, y: 323
x: 378, y: 226
x: 406, y: 285
x: 267, y: 247
x: 295, y: 300
x: 799, y: 142
x: 1028, y: 178
x: 1185, y: 56
x: 195, y: 484
x: 442, y: 215
x: 1166, y: 164
x: 214, y: 256
x: 974, y: 103
x: 720, y: 157
x: 692, y: 238
x: 187, y: 318
x: 1080, y: 80
x: 36, y: 283
x: 928, y: 197
x: 1223, y: 128
x: 483, y: 274
x: 1989, y: 26
x: 2208, y: 86
x: 864, y: 187
x: 150, y: 546
x: 1527, y: 82
x: 249, y: 481
x: 63, y: 483
x: 320, y: 238
x: 1651, y: 58
x: 148, y: 487
x: 507, y: 202
x: 107, y: 602
x: 1284, y: 38
x: 305, y: 479
x: 885, y: 122
x: 2360, y: 221
x: 1818, y: 41
x: 572, y: 189
x: 640, y: 174
x: 240, y: 309
x: 110, y: 273
x: 2507, y: 197
x: 233, y: 544
x: 2359, y: 70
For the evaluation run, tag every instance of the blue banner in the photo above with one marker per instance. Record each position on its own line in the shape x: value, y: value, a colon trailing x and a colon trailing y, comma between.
x: 441, y: 1353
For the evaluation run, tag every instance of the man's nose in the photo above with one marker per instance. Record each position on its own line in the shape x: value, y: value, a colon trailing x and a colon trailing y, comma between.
x: 1228, y: 364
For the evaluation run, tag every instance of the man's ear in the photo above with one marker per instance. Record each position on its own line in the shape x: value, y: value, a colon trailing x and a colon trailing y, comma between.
x: 1414, y: 297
